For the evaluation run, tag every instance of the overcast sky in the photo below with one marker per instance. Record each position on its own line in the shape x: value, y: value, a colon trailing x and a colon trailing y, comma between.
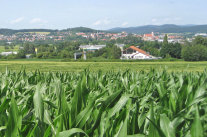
x: 99, y: 14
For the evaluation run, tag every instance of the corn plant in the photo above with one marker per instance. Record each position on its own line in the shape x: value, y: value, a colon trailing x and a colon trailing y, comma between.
x: 103, y: 104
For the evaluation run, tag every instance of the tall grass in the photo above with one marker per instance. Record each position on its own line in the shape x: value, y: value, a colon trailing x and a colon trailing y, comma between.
x: 103, y: 104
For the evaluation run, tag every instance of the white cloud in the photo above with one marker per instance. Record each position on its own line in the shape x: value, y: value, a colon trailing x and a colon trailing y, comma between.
x: 105, y: 21
x: 154, y: 20
x: 125, y: 23
x: 98, y: 22
x: 37, y: 20
x: 17, y: 20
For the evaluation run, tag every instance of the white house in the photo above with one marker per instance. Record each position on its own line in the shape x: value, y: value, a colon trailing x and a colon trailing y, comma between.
x: 135, y: 53
x: 8, y: 53
x: 201, y: 34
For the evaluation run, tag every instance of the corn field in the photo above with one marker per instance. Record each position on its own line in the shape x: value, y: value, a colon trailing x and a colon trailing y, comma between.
x: 103, y: 104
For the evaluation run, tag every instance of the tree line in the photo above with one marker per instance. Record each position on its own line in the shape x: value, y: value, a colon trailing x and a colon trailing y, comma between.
x: 188, y: 51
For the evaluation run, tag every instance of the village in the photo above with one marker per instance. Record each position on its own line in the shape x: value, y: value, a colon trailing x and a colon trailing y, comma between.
x: 96, y: 41
x: 103, y: 36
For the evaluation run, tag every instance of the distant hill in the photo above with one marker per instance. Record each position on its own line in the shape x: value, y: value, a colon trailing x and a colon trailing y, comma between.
x: 167, y: 28
x: 11, y: 31
x: 82, y: 29
x: 77, y: 29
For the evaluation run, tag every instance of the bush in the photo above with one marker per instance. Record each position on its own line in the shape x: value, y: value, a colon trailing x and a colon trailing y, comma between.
x: 39, y: 55
x: 11, y: 57
x: 21, y: 54
x: 194, y: 53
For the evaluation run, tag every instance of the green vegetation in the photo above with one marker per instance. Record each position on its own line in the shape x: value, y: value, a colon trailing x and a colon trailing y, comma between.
x: 188, y: 51
x: 195, y: 51
x: 57, y: 65
x: 103, y: 104
x: 77, y: 29
x: 170, y: 49
x: 82, y: 29
x: 9, y: 48
x: 11, y: 31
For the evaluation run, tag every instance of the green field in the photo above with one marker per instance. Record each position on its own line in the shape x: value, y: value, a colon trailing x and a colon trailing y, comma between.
x: 46, y: 33
x: 47, y: 65
x: 103, y: 104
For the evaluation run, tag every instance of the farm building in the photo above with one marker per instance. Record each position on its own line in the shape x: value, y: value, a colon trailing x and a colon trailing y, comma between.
x: 135, y: 53
x: 8, y: 53
x: 91, y: 47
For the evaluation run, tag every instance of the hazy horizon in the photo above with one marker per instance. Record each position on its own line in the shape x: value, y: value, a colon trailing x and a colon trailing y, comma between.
x: 98, y: 14
x: 106, y: 29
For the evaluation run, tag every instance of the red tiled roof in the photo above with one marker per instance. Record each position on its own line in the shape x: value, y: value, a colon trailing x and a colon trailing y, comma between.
x: 171, y: 37
x: 139, y: 50
x: 148, y: 35
x: 80, y: 33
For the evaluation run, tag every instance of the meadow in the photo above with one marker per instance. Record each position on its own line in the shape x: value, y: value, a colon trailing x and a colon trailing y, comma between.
x: 57, y: 65
x: 103, y: 104
x: 45, y: 33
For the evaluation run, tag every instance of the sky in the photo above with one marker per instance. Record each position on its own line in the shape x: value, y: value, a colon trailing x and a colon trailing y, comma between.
x: 99, y: 14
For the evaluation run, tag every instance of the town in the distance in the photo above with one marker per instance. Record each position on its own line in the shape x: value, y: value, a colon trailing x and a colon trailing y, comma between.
x: 85, y: 43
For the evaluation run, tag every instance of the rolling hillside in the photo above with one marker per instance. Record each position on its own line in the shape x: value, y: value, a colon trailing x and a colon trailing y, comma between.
x: 168, y: 28
x: 11, y: 31
x: 77, y: 29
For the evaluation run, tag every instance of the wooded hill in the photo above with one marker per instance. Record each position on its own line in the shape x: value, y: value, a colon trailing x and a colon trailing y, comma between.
x: 168, y: 28
x: 77, y: 29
